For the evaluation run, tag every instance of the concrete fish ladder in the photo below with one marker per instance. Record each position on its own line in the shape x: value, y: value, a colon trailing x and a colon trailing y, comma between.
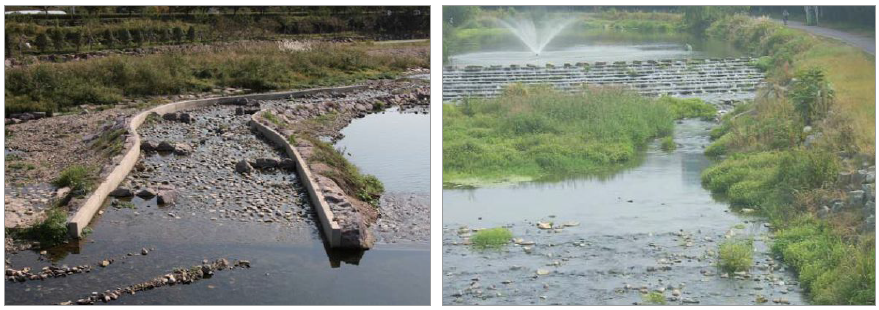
x: 93, y: 203
x: 688, y: 77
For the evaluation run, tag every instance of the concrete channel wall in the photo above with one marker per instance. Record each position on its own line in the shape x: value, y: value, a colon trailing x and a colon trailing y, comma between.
x: 331, y: 229
x: 93, y: 204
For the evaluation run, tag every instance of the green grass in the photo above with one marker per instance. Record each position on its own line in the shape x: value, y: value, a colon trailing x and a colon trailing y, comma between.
x: 110, y: 143
x: 365, y: 187
x: 491, y: 238
x: 77, y: 177
x: 768, y: 167
x: 258, y: 67
x: 735, y: 255
x: 689, y: 108
x: 654, y: 298
x: 51, y: 231
x: 668, y: 144
x: 834, y: 271
x: 535, y: 132
x: 268, y: 115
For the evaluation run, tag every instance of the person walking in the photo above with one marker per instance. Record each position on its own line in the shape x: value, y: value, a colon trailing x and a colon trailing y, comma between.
x: 785, y: 15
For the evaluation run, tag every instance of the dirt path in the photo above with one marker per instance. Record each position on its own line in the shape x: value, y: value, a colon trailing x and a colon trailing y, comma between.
x: 865, y: 43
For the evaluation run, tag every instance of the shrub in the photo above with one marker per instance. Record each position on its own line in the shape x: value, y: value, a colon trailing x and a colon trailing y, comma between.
x: 735, y: 255
x: 42, y: 42
x: 77, y: 177
x: 51, y: 231
x: 812, y: 95
x: 190, y: 34
x: 491, y: 238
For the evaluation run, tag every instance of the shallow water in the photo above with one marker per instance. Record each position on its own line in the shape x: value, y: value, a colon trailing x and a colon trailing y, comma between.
x: 626, y: 224
x: 290, y: 264
x: 394, y: 146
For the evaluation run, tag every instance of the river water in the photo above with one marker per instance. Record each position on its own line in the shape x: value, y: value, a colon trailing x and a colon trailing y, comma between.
x: 651, y: 228
x: 290, y: 264
x: 653, y: 216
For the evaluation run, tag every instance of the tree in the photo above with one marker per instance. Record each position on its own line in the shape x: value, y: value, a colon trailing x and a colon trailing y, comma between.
x: 137, y: 36
x: 178, y: 34
x: 75, y: 38
x: 108, y: 38
x: 57, y: 39
x: 458, y: 15
x: 125, y: 37
x: 190, y: 34
x: 699, y: 18
x: 42, y: 42
x: 812, y: 95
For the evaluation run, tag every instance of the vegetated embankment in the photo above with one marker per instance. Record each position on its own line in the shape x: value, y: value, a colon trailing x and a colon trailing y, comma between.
x: 803, y: 155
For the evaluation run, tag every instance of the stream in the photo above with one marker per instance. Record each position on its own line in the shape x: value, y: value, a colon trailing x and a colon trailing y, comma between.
x: 263, y: 217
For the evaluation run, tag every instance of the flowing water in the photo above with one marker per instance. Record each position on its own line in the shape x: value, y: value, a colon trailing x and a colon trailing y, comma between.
x: 651, y: 228
x: 290, y: 264
x: 627, y: 229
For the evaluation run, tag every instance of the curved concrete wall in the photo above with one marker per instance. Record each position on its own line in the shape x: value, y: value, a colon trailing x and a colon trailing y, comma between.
x: 84, y: 215
x: 331, y: 229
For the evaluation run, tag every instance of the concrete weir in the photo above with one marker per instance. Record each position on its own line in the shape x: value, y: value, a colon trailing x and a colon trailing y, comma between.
x: 93, y: 203
x: 689, y: 77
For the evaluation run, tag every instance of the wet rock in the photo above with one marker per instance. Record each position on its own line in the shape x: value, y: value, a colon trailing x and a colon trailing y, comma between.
x: 166, y: 195
x: 544, y: 225
x: 121, y: 192
x: 146, y: 193
x: 105, y: 263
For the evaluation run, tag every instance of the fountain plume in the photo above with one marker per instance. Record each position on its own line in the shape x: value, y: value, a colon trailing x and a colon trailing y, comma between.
x: 536, y: 38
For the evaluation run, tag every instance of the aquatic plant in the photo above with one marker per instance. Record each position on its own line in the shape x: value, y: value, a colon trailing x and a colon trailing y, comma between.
x: 654, y: 298
x: 735, y: 255
x: 491, y: 238
x: 668, y: 144
x: 536, y: 132
x: 689, y: 107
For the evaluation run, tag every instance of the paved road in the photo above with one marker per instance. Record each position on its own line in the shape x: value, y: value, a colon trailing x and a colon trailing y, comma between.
x: 868, y: 44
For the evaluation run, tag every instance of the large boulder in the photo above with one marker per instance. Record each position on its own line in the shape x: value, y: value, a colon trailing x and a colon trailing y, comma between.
x: 147, y: 146
x: 243, y: 167
x: 266, y: 163
x: 182, y: 149
x: 165, y: 146
x: 121, y: 192
x: 287, y: 164
x: 185, y: 117
x: 146, y: 193
x: 166, y: 195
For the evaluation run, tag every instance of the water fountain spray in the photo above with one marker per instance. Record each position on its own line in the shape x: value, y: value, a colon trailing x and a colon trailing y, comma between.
x: 536, y: 38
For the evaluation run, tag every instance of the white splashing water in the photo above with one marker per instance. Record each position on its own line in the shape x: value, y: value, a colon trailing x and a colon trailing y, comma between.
x: 536, y: 38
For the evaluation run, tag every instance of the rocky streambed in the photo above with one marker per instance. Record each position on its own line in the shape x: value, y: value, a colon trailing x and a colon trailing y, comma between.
x: 610, y: 241
x: 187, y: 200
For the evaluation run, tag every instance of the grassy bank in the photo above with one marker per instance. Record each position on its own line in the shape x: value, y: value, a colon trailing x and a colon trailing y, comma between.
x: 260, y: 67
x: 822, y: 92
x: 535, y: 132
